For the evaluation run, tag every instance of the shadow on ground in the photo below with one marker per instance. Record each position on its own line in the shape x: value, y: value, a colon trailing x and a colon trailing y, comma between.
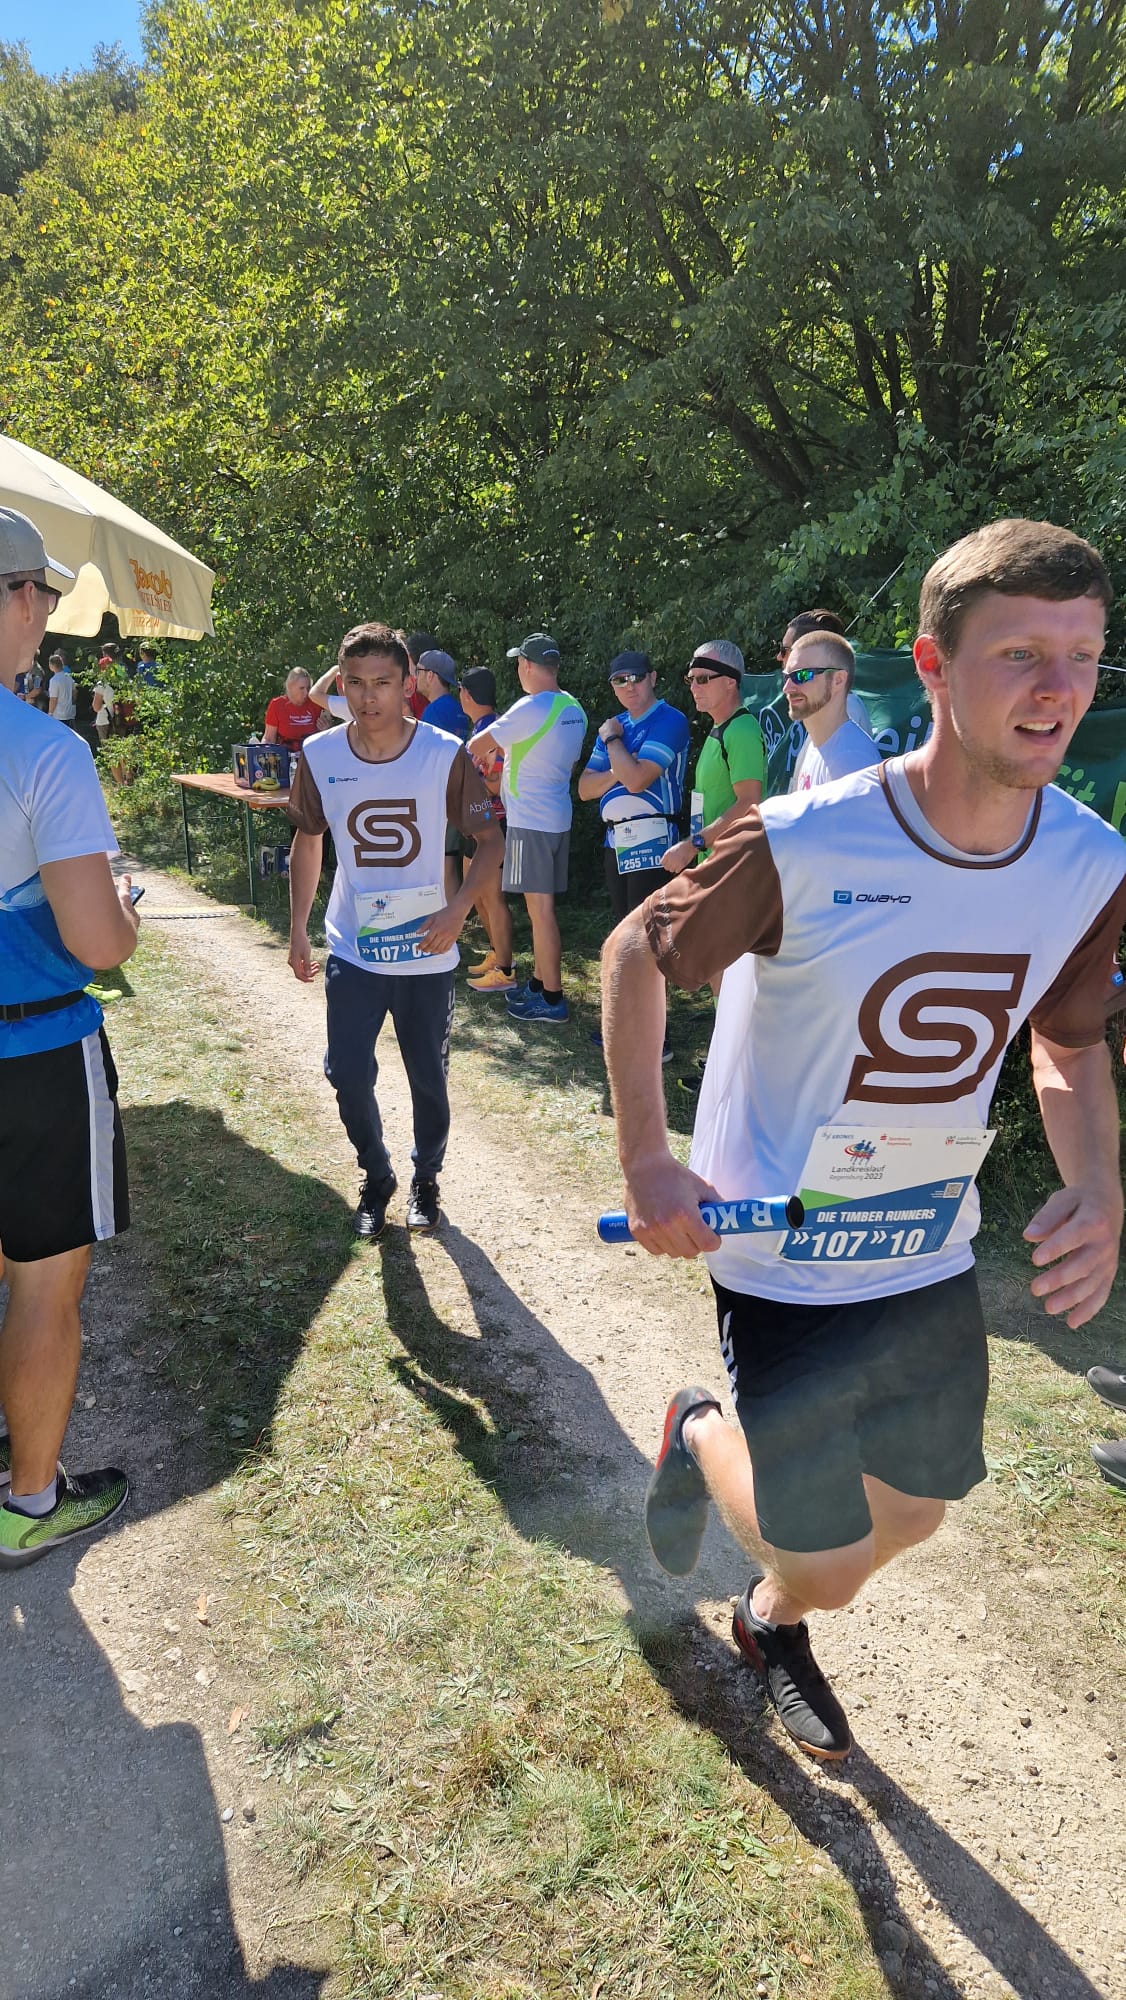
x: 113, y: 1875
x: 572, y: 1475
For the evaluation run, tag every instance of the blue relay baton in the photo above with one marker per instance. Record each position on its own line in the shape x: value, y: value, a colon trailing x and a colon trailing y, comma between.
x: 727, y: 1218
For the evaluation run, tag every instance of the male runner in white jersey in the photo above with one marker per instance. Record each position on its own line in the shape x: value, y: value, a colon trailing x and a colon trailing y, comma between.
x: 817, y: 681
x: 385, y: 787
x: 905, y: 921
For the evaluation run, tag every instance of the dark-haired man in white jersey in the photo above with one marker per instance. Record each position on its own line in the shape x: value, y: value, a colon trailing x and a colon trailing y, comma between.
x: 386, y: 786
x: 905, y: 921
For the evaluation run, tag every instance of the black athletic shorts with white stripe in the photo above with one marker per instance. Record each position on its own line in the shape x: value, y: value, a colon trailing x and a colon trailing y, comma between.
x: 62, y: 1151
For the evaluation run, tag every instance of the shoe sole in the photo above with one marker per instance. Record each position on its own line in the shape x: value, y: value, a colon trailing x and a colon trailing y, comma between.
x: 423, y: 1228
x: 489, y: 991
x: 748, y: 1645
x: 676, y: 1498
x: 1112, y: 1402
x: 20, y: 1558
x: 1115, y: 1479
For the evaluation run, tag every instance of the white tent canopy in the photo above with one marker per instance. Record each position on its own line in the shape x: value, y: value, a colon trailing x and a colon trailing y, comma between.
x: 153, y: 587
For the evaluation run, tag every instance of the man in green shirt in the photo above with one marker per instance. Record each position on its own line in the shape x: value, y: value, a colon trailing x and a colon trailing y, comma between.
x: 731, y: 768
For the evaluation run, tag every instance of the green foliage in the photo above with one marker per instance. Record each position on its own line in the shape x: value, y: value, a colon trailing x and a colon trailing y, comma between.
x: 635, y: 324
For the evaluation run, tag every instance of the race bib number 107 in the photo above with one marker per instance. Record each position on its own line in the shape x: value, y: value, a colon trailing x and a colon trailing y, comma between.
x: 881, y: 1195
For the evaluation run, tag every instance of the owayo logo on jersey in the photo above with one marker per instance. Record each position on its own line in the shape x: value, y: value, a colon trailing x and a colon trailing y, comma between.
x: 934, y: 1025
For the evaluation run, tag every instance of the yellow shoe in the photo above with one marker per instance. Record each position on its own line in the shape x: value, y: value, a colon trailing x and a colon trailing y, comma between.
x: 494, y: 981
x: 485, y: 964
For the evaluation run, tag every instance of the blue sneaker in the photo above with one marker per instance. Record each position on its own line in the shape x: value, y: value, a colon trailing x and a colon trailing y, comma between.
x: 518, y: 999
x: 536, y: 1008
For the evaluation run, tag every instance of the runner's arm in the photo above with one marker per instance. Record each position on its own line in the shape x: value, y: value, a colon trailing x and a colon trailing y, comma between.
x: 269, y: 733
x: 1077, y: 1230
x: 662, y: 1197
x: 328, y: 684
x: 304, y: 874
x: 96, y: 920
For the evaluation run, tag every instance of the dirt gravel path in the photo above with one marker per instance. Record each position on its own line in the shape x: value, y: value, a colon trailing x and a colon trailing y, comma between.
x: 979, y: 1818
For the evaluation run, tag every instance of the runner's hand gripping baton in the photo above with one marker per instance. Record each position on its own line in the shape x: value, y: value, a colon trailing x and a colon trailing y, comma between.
x: 726, y: 1218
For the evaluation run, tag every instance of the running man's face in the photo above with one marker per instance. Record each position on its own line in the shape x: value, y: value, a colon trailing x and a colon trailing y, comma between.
x: 373, y: 687
x: 806, y: 698
x: 1019, y: 680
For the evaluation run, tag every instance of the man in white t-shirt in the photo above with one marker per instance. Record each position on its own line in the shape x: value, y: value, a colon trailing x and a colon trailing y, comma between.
x: 62, y: 1154
x: 61, y: 701
x: 542, y: 738
x: 905, y: 921
x: 817, y: 680
x: 385, y: 787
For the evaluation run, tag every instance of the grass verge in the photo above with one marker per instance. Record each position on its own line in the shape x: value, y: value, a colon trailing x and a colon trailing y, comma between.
x: 501, y: 1786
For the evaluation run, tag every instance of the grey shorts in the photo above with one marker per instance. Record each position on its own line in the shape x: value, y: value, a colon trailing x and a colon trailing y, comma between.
x: 535, y: 864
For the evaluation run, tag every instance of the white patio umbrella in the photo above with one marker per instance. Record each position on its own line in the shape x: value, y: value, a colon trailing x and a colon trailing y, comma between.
x: 154, y: 588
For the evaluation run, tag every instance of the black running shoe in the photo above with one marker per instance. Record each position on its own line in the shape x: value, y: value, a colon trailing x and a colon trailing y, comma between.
x: 676, y: 1498
x: 371, y: 1209
x: 1110, y: 1457
x: 422, y: 1207
x: 1110, y: 1384
x: 82, y: 1505
x: 781, y: 1657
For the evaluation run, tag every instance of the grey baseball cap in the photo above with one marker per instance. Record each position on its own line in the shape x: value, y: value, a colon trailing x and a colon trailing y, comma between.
x: 721, y: 653
x: 22, y: 546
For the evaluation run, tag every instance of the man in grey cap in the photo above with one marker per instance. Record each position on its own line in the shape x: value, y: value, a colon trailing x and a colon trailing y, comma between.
x: 731, y: 768
x: 62, y: 1155
x: 541, y: 737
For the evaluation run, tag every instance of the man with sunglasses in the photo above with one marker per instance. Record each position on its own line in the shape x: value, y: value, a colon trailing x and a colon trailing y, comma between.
x: 731, y: 768
x: 636, y: 773
x: 62, y: 1155
x: 817, y: 680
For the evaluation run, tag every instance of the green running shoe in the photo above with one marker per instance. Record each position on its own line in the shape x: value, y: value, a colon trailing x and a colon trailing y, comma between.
x: 83, y: 1504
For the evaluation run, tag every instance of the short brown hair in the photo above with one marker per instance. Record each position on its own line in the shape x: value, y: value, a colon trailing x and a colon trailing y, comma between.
x: 374, y: 638
x: 1019, y: 559
x: 834, y: 645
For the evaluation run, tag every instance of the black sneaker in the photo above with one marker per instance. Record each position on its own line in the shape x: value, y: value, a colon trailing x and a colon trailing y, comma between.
x: 1110, y: 1384
x: 82, y: 1505
x: 806, y: 1705
x: 371, y: 1209
x: 422, y: 1207
x: 1110, y: 1457
x: 676, y: 1498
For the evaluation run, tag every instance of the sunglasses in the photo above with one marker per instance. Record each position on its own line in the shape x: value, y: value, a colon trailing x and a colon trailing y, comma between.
x: 626, y: 680
x: 45, y: 589
x: 801, y: 675
x: 702, y: 680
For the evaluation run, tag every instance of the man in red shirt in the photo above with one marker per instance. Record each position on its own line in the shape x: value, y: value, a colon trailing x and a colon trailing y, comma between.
x: 291, y: 717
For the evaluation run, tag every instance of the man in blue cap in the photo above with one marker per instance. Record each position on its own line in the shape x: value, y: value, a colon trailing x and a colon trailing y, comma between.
x: 636, y: 772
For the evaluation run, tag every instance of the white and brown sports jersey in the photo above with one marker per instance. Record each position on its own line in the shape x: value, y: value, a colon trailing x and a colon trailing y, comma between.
x: 388, y: 825
x: 888, y: 979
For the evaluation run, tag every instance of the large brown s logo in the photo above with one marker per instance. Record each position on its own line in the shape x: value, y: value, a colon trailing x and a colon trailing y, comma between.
x: 934, y: 1025
x: 385, y: 832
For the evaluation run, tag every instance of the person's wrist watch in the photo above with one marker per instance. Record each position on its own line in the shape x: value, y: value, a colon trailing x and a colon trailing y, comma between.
x: 698, y: 841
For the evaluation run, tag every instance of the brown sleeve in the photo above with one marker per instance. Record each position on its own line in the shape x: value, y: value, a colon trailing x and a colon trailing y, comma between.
x: 706, y: 918
x: 1074, y: 1009
x: 305, y: 808
x: 468, y: 805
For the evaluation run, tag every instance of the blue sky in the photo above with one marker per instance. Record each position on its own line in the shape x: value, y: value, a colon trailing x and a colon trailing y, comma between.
x: 61, y: 34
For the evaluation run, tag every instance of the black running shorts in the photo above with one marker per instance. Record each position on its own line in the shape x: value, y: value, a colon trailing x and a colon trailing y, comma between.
x: 894, y: 1387
x: 62, y: 1151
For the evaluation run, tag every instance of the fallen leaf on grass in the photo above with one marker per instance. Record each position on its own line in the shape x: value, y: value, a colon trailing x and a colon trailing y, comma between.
x: 234, y: 1720
x: 201, y: 1608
